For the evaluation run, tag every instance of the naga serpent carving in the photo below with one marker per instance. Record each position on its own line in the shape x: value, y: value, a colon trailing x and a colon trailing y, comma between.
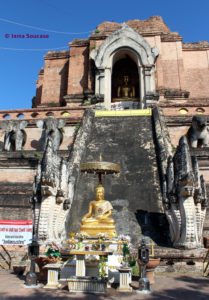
x: 54, y: 185
x: 50, y: 192
x: 187, y: 201
x: 183, y: 189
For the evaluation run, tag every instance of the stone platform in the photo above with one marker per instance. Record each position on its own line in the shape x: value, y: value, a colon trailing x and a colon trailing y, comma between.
x: 180, y: 261
x: 167, y: 286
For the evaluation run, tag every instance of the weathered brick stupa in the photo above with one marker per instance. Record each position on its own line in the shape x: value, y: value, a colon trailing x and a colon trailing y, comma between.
x: 130, y: 92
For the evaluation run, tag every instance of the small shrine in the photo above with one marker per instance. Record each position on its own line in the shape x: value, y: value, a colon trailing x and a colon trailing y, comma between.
x: 95, y: 257
x: 97, y: 241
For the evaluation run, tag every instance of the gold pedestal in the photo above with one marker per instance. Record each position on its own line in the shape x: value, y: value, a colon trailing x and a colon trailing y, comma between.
x: 93, y: 230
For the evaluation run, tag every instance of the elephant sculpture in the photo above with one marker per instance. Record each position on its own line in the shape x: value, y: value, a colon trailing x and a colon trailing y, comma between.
x: 198, y: 134
x: 52, y: 130
x: 15, y: 136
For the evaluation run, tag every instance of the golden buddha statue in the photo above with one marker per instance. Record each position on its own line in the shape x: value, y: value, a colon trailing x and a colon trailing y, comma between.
x: 126, y: 91
x: 98, y: 219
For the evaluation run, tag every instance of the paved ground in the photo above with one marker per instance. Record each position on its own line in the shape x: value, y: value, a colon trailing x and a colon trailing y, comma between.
x: 167, y: 287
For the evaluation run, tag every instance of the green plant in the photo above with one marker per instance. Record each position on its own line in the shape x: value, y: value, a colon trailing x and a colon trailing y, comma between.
x: 97, y: 31
x: 53, y: 250
x: 132, y: 262
x: 125, y: 250
x: 102, y: 267
x: 135, y: 270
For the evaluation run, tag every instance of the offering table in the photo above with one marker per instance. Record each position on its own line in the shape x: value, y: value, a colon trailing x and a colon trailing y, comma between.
x: 80, y: 259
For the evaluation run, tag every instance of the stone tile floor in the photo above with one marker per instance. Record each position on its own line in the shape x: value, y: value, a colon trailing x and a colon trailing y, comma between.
x: 167, y: 287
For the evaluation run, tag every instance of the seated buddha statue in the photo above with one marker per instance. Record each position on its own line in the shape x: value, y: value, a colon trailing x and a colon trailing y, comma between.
x: 98, y: 219
x: 126, y: 91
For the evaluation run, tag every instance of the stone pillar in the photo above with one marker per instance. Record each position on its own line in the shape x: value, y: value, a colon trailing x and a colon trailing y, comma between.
x: 149, y: 81
x: 141, y: 87
x: 108, y: 88
x: 125, y: 280
x: 53, y: 276
x: 147, y: 77
x: 80, y: 265
x: 78, y: 67
x: 99, y: 84
x: 54, y: 78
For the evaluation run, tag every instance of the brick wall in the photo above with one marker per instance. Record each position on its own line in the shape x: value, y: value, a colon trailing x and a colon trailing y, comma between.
x: 176, y: 133
x: 78, y: 69
x: 55, y: 79
x: 151, y: 25
x: 39, y: 88
x: 16, y: 174
x: 196, y: 72
x: 179, y: 65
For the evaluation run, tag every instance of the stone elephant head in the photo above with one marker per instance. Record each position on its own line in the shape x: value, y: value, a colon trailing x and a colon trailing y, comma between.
x: 198, y: 134
x: 15, y: 136
x: 53, y: 130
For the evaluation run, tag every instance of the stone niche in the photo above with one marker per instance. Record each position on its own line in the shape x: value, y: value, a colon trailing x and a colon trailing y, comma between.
x: 124, y: 56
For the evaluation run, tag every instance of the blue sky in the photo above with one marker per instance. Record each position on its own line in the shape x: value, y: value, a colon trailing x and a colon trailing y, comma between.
x: 19, y: 69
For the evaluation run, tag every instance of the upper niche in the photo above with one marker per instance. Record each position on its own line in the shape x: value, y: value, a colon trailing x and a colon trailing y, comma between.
x: 125, y: 79
x: 124, y: 59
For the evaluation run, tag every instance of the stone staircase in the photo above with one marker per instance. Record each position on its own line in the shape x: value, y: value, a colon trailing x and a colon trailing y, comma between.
x: 135, y: 194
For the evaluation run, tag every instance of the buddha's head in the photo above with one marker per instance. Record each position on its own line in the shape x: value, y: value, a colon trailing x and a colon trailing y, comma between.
x: 99, y: 192
x: 126, y: 79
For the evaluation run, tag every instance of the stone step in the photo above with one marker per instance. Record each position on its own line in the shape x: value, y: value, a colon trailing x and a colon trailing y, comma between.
x: 136, y: 191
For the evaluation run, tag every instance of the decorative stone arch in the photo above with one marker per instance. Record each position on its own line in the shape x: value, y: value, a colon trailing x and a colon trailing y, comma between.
x: 128, y: 40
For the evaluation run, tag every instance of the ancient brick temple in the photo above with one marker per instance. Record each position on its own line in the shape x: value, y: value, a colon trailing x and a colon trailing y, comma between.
x: 138, y: 66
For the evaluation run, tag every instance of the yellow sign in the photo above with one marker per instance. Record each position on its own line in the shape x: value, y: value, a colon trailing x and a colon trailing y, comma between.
x: 123, y: 113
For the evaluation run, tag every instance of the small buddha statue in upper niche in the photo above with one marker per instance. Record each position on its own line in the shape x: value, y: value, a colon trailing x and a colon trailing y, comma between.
x: 126, y: 91
x: 98, y: 219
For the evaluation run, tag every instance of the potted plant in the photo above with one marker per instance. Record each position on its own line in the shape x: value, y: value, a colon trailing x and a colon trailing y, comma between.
x: 125, y: 241
x: 53, y: 251
x: 52, y: 255
x: 103, y: 268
